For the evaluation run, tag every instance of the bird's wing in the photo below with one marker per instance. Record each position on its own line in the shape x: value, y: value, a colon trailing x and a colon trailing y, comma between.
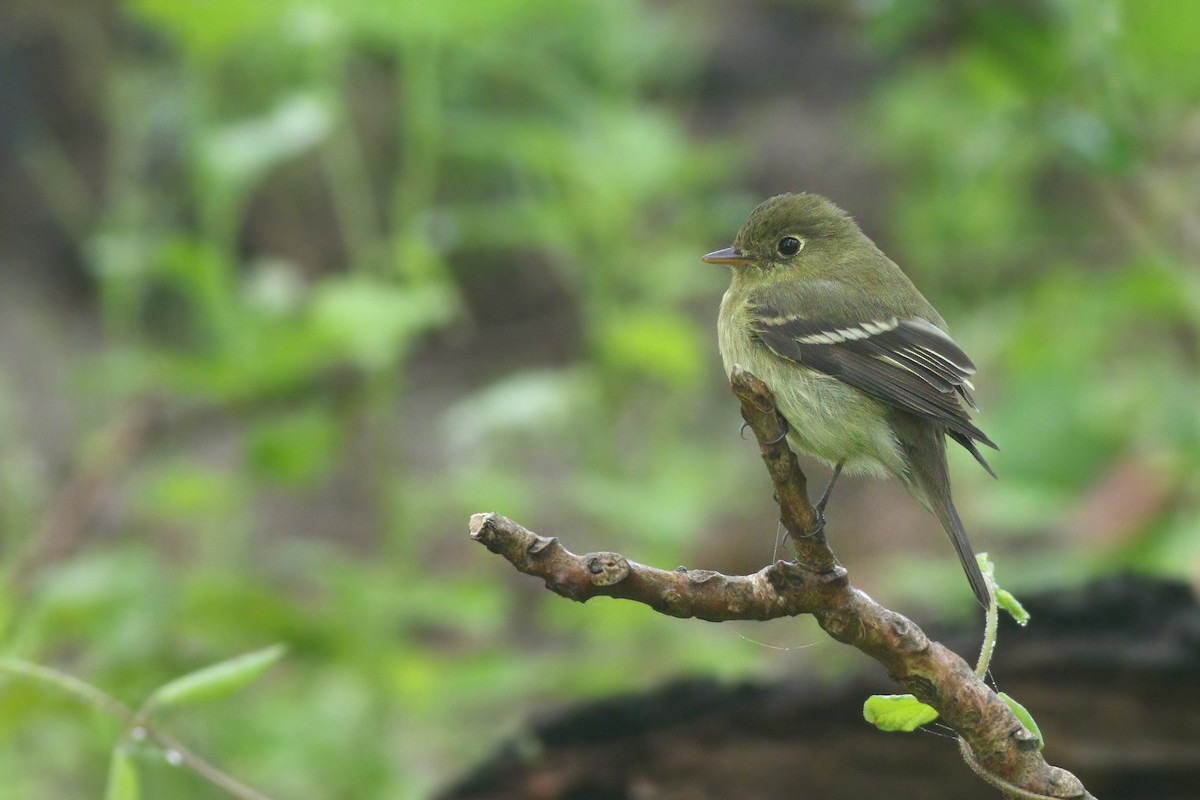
x: 909, y: 364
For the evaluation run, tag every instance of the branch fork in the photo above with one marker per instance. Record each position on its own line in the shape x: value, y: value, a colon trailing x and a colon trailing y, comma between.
x: 994, y: 742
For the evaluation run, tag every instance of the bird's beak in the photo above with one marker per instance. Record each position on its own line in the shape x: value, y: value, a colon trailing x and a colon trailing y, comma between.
x: 730, y: 256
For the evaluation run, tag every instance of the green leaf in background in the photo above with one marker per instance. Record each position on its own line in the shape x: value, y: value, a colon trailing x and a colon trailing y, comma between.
x: 294, y: 448
x: 216, y: 680
x: 238, y: 151
x: 209, y: 29
x: 370, y: 320
x: 184, y: 488
x: 1025, y: 717
x: 524, y: 402
x: 122, y: 776
x: 656, y: 344
x: 897, y: 712
x: 1159, y: 39
x: 1013, y: 606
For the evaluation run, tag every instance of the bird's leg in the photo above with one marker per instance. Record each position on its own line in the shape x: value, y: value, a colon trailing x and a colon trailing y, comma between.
x: 783, y: 430
x: 820, y: 506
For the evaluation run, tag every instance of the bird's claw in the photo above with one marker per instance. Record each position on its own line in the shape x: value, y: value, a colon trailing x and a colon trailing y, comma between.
x: 817, y: 529
x: 783, y: 432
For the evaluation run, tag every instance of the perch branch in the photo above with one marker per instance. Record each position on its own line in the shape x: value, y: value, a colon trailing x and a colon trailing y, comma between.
x: 994, y: 742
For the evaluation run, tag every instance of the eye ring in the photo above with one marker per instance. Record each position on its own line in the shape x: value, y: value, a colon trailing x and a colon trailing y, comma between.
x: 789, y: 246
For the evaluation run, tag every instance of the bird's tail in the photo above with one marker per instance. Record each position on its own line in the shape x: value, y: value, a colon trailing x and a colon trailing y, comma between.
x: 947, y: 514
x: 928, y: 479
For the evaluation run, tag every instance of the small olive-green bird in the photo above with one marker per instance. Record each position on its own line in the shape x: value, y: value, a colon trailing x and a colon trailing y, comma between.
x: 860, y: 363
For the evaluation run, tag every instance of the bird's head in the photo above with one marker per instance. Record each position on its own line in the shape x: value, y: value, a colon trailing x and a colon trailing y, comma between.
x: 794, y: 232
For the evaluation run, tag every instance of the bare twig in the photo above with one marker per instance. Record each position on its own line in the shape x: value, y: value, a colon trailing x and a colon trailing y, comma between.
x: 994, y: 742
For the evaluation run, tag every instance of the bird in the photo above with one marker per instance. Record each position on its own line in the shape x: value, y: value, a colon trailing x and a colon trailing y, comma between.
x: 861, y: 366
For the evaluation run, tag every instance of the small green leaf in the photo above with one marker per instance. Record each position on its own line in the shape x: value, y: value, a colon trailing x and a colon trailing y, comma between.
x: 122, y: 776
x: 897, y: 712
x: 1025, y: 717
x: 1012, y: 606
x: 216, y: 680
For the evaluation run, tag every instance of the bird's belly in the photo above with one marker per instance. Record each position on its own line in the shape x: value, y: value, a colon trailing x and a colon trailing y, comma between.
x: 837, y: 423
x: 826, y: 418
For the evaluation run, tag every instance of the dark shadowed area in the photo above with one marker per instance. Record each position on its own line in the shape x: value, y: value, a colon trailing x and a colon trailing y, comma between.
x: 1120, y: 655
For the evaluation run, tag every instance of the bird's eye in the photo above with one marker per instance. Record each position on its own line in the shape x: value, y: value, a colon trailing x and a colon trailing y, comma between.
x: 790, y: 245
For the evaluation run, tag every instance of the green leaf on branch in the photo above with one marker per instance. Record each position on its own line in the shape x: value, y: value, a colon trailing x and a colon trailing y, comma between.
x: 216, y: 680
x: 1013, y: 606
x: 1025, y: 717
x: 1004, y: 598
x: 897, y: 712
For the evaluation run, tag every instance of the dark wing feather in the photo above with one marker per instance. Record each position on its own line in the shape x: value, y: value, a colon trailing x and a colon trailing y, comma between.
x: 910, y: 364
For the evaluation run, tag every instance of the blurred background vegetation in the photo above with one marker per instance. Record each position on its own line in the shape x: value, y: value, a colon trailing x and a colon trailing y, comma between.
x: 293, y: 287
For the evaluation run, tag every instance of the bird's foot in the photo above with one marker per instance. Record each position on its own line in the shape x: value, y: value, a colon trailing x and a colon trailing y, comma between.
x: 817, y: 529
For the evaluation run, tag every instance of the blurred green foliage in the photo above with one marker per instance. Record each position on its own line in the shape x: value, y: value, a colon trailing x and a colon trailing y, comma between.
x: 442, y: 138
x: 308, y: 208
x: 1040, y: 179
